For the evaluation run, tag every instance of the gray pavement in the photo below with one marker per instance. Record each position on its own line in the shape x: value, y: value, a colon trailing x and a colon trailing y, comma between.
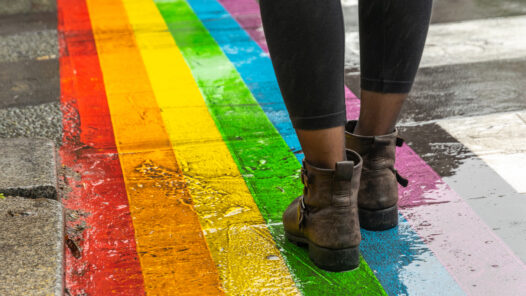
x: 29, y: 70
x: 27, y: 22
x: 29, y: 82
x: 31, y: 216
x: 28, y: 168
x: 37, y: 121
x: 33, y: 45
x: 31, y: 247
x: 10, y: 7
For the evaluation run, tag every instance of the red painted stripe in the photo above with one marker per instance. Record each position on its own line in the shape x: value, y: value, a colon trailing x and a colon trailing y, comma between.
x: 109, y: 264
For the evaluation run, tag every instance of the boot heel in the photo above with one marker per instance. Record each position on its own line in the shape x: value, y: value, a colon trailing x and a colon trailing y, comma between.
x: 380, y: 219
x: 335, y: 260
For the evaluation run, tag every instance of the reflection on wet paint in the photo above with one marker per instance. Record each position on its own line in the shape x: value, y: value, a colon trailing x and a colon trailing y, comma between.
x: 96, y: 204
x: 256, y: 70
x: 409, y: 268
x: 173, y: 253
x: 266, y: 162
x: 432, y: 192
x: 472, y: 253
x: 498, y: 139
x: 238, y: 239
x: 169, y: 198
x: 491, y: 195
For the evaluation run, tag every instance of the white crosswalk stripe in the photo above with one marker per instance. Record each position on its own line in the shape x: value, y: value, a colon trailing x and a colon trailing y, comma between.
x: 498, y: 139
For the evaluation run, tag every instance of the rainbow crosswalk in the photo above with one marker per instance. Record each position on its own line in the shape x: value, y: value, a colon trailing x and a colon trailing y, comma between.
x: 179, y: 99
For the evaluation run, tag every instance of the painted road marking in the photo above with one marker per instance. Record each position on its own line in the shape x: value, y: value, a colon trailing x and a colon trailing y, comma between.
x: 462, y: 42
x: 486, y: 192
x: 109, y: 257
x: 389, y: 253
x: 477, y: 258
x: 470, y: 226
x: 474, y: 255
x: 243, y: 249
x: 496, y: 41
x: 174, y: 256
x: 266, y: 162
x: 498, y: 139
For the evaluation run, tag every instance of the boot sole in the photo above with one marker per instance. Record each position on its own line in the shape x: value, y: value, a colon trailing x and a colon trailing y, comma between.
x: 378, y: 220
x: 329, y: 259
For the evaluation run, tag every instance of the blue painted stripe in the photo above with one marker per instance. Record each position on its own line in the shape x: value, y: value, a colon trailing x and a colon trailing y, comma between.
x: 400, y: 259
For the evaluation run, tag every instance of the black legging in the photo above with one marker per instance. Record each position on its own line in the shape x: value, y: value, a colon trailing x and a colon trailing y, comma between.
x: 306, y: 43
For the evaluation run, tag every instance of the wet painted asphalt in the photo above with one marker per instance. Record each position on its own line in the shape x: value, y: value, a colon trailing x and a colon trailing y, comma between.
x: 174, y: 130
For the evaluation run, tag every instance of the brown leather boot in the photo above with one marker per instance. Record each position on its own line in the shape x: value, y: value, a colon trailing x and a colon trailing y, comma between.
x: 378, y: 195
x: 325, y: 217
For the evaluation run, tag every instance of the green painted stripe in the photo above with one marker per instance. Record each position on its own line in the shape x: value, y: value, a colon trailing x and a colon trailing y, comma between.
x: 269, y: 168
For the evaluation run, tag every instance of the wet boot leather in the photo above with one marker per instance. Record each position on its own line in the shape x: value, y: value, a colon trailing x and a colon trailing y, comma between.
x: 378, y: 194
x: 325, y: 217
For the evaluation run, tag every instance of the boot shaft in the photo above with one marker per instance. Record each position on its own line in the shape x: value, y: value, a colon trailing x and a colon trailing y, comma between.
x: 329, y: 213
x: 379, y: 182
x: 377, y: 152
x: 327, y: 187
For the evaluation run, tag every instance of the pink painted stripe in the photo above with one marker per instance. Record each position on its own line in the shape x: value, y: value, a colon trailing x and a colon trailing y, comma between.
x: 478, y: 259
x: 473, y: 254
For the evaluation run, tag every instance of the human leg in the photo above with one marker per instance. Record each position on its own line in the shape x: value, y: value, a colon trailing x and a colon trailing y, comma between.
x: 306, y: 43
x: 392, y: 37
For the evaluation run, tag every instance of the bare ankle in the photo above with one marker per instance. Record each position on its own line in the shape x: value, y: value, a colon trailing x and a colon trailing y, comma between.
x: 378, y: 113
x: 362, y: 130
x: 323, y: 148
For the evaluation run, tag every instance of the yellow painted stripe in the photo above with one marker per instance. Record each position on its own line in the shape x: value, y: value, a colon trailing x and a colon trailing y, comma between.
x: 240, y: 243
x: 174, y: 257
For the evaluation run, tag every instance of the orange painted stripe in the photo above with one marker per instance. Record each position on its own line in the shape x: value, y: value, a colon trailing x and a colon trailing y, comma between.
x: 173, y: 253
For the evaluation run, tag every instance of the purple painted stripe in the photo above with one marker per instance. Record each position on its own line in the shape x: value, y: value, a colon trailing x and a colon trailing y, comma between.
x: 477, y: 258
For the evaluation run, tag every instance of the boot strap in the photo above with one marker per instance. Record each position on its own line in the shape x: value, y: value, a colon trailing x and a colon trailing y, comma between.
x: 399, y: 142
x: 302, y: 211
x: 305, y: 180
x: 401, y: 180
x: 380, y: 141
x: 304, y: 177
